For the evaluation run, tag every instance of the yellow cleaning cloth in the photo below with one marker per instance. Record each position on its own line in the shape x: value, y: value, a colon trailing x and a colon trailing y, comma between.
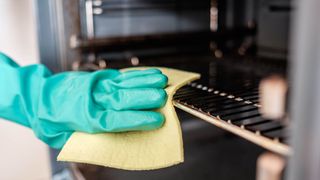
x: 143, y: 150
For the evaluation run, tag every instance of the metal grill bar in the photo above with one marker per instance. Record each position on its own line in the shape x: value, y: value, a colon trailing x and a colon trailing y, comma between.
x: 238, y: 109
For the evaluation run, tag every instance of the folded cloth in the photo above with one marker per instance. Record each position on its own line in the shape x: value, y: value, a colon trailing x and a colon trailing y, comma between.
x: 138, y: 150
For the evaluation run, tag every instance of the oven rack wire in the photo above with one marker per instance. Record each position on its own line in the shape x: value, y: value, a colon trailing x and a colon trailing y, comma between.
x: 236, y: 112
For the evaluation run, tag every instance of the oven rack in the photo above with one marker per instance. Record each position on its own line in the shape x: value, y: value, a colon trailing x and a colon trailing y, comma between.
x: 236, y: 112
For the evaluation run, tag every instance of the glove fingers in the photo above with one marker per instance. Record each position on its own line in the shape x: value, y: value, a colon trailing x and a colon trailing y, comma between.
x: 151, y: 78
x: 121, y: 121
x: 133, y: 99
x: 136, y: 73
x: 106, y: 74
x: 148, y: 81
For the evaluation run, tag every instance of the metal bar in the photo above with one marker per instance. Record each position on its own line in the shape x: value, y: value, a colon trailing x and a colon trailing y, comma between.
x: 265, y: 142
x: 265, y: 127
x: 238, y: 112
x: 280, y: 134
x: 207, y: 98
x: 251, y: 121
x: 305, y: 73
x: 89, y: 19
x: 224, y: 108
x: 183, y: 94
x: 243, y: 114
x: 215, y: 104
x: 238, y: 120
x: 233, y: 111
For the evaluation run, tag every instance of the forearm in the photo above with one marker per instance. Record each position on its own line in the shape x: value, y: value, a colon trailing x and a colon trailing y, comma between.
x: 18, y: 88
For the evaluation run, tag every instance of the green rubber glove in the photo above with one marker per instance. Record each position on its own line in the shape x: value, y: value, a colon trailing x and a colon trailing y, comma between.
x: 54, y: 106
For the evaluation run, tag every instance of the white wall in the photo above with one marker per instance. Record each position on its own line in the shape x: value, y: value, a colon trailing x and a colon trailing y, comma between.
x: 22, y: 156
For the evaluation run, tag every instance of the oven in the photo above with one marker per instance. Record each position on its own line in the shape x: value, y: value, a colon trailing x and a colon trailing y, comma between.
x: 234, y: 44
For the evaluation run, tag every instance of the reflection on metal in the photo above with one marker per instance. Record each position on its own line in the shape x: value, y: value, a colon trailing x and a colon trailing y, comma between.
x: 135, y: 61
x: 213, y: 18
x: 97, y: 11
x: 97, y: 3
x: 89, y: 66
x: 89, y: 19
x: 102, y: 64
x: 270, y: 166
x: 61, y: 31
x: 74, y: 41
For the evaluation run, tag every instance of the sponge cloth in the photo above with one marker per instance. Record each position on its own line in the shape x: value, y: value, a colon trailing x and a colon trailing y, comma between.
x: 139, y: 150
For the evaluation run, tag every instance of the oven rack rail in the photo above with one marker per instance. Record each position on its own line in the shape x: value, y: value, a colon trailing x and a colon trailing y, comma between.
x: 236, y: 112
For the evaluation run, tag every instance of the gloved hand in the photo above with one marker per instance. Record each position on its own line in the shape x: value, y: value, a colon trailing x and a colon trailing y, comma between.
x: 55, y: 106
